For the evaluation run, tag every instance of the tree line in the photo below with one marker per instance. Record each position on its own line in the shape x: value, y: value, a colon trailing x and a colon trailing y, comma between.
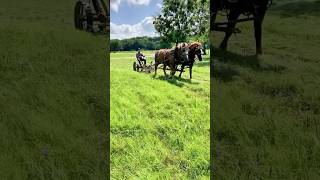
x: 132, y: 44
x: 145, y: 43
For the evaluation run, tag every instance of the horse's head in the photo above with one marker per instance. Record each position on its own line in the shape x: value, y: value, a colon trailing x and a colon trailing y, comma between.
x: 183, y: 51
x: 199, y: 53
x: 195, y: 49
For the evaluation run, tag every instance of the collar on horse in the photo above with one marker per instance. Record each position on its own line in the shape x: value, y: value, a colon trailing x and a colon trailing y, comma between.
x: 177, y: 58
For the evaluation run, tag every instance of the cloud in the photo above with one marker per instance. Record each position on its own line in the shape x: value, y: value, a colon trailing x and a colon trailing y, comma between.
x: 159, y: 5
x: 124, y: 31
x: 139, y: 2
x: 115, y: 4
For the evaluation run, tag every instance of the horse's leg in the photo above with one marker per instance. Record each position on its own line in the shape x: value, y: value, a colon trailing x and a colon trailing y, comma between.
x: 172, y: 73
x: 155, y: 68
x: 259, y: 13
x: 182, y: 68
x: 172, y: 69
x: 233, y: 16
x: 190, y: 70
x: 164, y: 69
x: 214, y: 5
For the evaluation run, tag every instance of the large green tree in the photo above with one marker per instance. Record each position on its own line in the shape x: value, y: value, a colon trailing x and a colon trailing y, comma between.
x: 181, y: 20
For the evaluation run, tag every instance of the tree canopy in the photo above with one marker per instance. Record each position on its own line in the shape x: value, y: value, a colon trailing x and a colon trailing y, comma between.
x: 181, y: 20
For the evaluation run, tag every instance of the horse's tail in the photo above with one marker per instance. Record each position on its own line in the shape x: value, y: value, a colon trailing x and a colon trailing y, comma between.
x: 156, y: 56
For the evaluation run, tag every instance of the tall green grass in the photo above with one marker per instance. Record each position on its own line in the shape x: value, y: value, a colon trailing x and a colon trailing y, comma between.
x: 52, y: 94
x: 159, y: 127
x: 266, y: 109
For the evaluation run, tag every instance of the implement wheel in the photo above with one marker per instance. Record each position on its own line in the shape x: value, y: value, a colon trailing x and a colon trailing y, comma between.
x: 78, y: 15
x: 134, y: 66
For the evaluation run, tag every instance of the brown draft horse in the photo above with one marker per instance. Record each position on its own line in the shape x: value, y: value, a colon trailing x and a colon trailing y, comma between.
x: 167, y: 57
x: 195, y: 49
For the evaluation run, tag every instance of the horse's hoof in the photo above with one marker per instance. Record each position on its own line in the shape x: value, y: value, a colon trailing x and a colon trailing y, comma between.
x: 223, y: 46
x: 258, y: 55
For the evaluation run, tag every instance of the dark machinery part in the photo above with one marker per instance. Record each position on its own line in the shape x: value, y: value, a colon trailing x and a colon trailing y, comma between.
x: 92, y: 16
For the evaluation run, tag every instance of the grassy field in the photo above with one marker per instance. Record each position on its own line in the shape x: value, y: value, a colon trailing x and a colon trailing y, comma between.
x: 52, y: 94
x: 159, y: 127
x: 267, y: 109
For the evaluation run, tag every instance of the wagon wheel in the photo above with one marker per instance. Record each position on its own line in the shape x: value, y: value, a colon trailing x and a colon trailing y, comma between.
x: 78, y: 15
x: 134, y: 66
x: 139, y: 68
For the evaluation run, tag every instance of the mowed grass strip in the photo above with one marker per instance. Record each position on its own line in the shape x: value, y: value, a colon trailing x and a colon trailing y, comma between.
x: 266, y: 110
x: 159, y: 127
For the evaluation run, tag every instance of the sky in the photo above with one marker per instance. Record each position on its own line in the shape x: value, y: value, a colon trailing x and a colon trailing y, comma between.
x: 133, y: 18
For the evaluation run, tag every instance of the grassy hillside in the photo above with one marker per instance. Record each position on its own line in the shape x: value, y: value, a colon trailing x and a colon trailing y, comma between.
x: 52, y: 94
x: 266, y: 109
x: 159, y: 127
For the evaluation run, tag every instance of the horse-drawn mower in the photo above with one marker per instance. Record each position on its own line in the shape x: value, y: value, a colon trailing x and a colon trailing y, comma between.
x: 140, y: 66
x: 182, y: 55
x: 92, y: 16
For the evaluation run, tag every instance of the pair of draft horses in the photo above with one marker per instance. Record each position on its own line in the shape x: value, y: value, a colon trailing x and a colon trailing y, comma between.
x: 183, y: 54
x: 235, y: 8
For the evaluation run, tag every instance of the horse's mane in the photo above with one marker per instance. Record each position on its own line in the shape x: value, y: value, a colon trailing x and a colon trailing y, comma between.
x: 195, y: 45
x: 180, y: 45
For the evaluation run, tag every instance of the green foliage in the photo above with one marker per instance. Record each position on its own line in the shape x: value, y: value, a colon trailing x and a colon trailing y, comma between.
x: 52, y: 94
x: 267, y: 110
x: 159, y: 127
x: 181, y: 19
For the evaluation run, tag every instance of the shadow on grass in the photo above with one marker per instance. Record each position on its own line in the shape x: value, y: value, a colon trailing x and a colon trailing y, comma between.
x: 224, y: 72
x: 251, y: 61
x: 180, y: 82
x: 299, y: 8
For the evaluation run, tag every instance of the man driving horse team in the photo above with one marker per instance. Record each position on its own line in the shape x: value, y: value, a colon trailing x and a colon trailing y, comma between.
x: 183, y: 54
x: 141, y: 57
